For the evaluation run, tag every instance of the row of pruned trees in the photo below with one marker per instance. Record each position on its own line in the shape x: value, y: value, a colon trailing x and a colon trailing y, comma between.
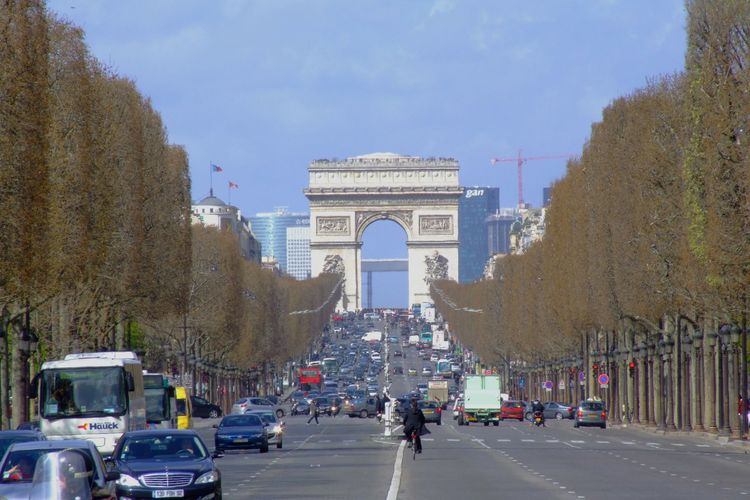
x: 647, y: 234
x: 96, y: 247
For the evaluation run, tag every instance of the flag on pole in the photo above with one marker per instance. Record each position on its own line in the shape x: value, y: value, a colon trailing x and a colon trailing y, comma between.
x: 233, y: 185
x: 216, y: 168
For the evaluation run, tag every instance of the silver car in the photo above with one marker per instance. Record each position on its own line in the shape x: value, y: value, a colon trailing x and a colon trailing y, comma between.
x: 590, y: 413
x: 276, y: 427
x: 244, y: 405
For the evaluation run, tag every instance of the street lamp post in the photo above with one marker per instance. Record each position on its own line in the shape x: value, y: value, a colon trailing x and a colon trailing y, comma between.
x: 686, y: 392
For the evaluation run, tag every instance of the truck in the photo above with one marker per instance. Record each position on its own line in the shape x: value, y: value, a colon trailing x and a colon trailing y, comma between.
x: 440, y: 340
x: 413, y: 339
x: 437, y: 390
x: 482, y: 400
x: 374, y: 336
x: 95, y: 396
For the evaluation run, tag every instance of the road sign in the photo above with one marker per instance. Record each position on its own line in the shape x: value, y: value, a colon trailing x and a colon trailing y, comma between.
x: 603, y: 379
x: 547, y: 384
x: 487, y: 372
x: 581, y: 376
x: 561, y: 385
x: 521, y: 382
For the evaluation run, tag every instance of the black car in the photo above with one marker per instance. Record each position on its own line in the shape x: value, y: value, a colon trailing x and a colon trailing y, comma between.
x: 7, y: 438
x: 241, y: 432
x: 165, y: 463
x: 204, y: 409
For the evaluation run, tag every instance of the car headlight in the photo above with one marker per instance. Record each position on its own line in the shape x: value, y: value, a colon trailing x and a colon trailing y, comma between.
x: 277, y: 429
x: 208, y: 477
x: 126, y: 480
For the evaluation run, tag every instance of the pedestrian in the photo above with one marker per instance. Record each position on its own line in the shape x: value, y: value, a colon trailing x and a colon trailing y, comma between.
x: 378, y: 407
x: 313, y: 412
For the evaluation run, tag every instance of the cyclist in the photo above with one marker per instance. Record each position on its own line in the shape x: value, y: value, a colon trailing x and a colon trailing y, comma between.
x: 414, y: 423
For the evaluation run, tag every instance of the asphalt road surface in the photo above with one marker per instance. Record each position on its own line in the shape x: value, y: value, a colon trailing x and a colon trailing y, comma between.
x: 346, y: 457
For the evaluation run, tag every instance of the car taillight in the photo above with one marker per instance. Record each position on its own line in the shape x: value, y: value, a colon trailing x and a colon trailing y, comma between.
x: 439, y: 410
x: 580, y: 413
x: 604, y: 414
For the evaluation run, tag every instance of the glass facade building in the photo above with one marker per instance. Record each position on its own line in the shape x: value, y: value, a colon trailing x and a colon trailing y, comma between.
x: 474, y: 206
x: 298, y: 252
x: 270, y: 228
x: 499, y: 226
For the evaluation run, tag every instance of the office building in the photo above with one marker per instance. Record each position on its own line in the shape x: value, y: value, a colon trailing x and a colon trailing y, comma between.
x: 499, y: 226
x: 474, y: 206
x: 270, y: 228
x: 546, y: 196
x: 298, y: 252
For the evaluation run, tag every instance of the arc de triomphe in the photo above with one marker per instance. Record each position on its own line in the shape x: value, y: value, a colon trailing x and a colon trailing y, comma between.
x: 419, y: 194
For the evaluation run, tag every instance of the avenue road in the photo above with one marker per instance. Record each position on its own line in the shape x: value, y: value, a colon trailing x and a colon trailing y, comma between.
x: 349, y: 458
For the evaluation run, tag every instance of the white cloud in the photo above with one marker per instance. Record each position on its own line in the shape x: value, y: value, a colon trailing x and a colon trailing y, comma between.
x: 441, y: 7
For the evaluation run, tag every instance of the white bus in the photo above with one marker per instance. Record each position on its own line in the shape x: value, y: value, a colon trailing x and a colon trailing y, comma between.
x: 95, y: 396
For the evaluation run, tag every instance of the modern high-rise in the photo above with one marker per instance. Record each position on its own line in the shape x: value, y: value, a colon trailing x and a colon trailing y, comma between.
x: 474, y: 206
x: 546, y: 196
x: 270, y: 228
x: 298, y: 252
x: 499, y: 226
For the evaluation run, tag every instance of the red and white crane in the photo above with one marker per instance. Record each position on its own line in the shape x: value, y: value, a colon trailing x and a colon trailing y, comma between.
x: 520, y: 160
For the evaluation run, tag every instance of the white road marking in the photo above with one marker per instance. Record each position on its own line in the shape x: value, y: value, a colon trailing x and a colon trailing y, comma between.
x: 553, y: 441
x: 428, y: 439
x: 528, y: 440
x: 628, y: 442
x: 572, y: 445
x: 577, y: 441
x: 603, y: 442
x: 703, y: 445
x: 396, y: 479
x: 503, y: 440
x: 453, y: 440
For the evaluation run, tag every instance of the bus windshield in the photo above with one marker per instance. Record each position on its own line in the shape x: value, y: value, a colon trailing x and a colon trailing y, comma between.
x: 157, y: 405
x: 83, y: 392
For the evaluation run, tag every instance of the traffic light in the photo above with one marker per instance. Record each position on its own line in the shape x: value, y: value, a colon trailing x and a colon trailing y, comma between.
x: 631, y: 367
x: 596, y: 367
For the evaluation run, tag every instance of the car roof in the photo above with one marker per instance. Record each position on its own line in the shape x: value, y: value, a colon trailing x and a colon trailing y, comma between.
x: 16, y: 433
x: 52, y: 444
x: 161, y: 432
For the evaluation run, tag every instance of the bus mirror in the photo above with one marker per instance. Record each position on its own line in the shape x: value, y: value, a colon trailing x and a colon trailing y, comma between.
x: 34, y: 389
x: 129, y: 381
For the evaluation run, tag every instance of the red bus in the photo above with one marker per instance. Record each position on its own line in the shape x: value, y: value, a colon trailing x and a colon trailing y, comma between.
x: 310, y: 375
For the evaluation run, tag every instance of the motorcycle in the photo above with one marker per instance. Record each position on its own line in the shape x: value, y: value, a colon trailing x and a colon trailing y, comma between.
x: 538, y: 418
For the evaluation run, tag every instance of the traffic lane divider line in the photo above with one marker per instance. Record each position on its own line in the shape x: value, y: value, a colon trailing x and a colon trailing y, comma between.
x: 396, y: 478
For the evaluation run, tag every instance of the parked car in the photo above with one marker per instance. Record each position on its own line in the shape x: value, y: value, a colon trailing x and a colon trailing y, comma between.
x: 20, y: 460
x: 558, y: 411
x: 432, y: 411
x: 412, y: 372
x: 426, y: 371
x: 591, y: 413
x: 512, y: 409
x: 244, y: 405
x: 204, y: 409
x: 434, y: 357
x: 241, y: 432
x: 165, y: 463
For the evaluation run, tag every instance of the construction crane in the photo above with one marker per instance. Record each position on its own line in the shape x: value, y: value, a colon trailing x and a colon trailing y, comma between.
x: 520, y: 160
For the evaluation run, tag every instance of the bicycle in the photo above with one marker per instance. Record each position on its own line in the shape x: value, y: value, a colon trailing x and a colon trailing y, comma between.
x: 413, y: 444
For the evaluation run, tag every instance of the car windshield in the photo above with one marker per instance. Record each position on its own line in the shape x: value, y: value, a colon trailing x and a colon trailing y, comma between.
x: 161, y: 447
x: 83, y: 392
x: 268, y: 417
x: 19, y: 465
x: 241, y: 421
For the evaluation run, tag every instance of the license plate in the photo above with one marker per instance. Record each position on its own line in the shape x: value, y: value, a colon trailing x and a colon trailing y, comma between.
x: 241, y: 440
x: 168, y: 493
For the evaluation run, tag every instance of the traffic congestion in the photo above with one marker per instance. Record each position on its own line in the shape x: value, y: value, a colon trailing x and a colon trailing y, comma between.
x: 136, y: 434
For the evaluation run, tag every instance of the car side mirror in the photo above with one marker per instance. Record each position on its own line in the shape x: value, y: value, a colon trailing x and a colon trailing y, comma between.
x: 217, y: 454
x: 112, y: 475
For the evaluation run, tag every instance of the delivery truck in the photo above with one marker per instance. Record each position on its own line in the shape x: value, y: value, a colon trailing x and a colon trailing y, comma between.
x: 482, y: 400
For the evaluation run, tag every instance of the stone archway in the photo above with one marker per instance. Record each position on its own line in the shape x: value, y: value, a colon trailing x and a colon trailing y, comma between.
x: 419, y: 194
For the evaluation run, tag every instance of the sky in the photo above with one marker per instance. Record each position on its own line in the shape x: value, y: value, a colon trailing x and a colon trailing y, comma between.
x: 262, y: 88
